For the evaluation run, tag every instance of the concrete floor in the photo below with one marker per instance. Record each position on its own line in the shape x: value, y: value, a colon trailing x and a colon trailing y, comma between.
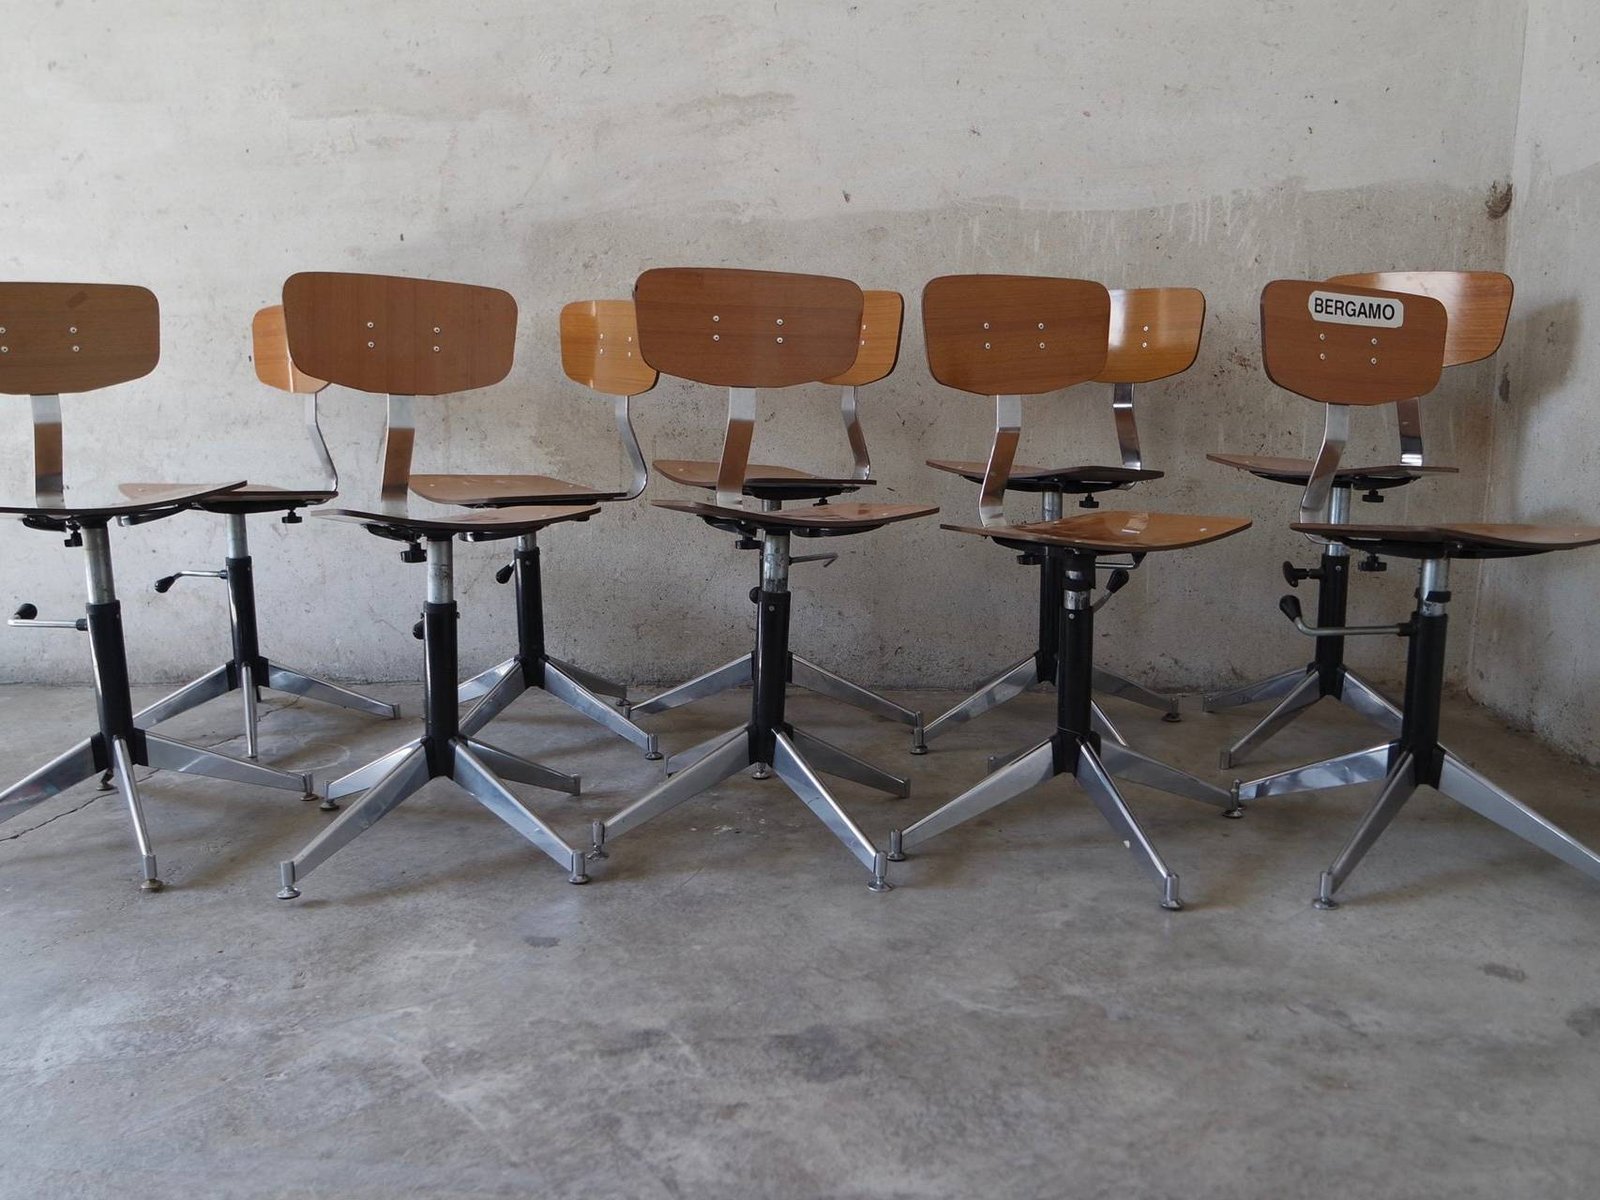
x: 726, y: 1011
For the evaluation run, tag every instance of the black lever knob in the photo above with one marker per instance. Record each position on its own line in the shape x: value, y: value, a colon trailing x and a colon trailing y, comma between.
x: 1088, y: 501
x: 414, y: 553
x: 292, y: 518
x: 26, y: 612
x: 1372, y: 496
x: 503, y: 575
x: 1292, y: 575
x: 1372, y: 563
x: 1117, y: 580
x: 416, y: 631
x: 1289, y: 606
x: 164, y: 584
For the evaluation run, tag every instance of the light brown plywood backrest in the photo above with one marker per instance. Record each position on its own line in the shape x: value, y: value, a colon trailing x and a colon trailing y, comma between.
x: 600, y: 347
x: 1155, y: 332
x: 997, y: 335
x: 75, y: 337
x: 882, y: 315
x: 1478, y: 304
x: 390, y: 334
x: 1350, y: 345
x: 270, y: 349
x: 747, y: 329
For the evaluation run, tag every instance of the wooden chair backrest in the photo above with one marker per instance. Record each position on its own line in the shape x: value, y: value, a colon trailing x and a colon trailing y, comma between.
x: 75, y: 337
x: 882, y: 315
x: 1478, y: 304
x: 747, y: 329
x: 1340, y: 344
x: 1155, y: 332
x: 600, y: 347
x: 270, y: 350
x: 390, y: 334
x: 996, y: 335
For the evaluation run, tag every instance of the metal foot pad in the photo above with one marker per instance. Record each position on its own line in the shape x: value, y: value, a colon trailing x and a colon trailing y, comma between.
x: 880, y: 872
x: 1325, y: 900
x: 1173, y: 717
x: 1169, y: 895
x: 579, y: 874
x: 1237, y: 811
x: 151, y: 885
x: 896, y: 854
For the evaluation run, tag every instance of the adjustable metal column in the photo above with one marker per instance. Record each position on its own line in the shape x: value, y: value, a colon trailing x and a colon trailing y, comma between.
x: 122, y: 741
x: 795, y: 756
x: 532, y: 668
x: 448, y: 748
x: 1076, y: 749
x: 248, y: 671
x: 1326, y: 675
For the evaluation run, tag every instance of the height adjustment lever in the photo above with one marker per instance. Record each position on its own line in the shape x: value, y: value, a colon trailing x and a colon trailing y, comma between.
x: 164, y: 584
x: 504, y: 574
x: 825, y: 559
x: 1289, y: 606
x: 26, y: 617
x: 1115, y: 582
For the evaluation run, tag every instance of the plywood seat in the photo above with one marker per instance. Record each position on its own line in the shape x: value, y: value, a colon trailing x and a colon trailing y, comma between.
x: 817, y: 520
x: 1114, y: 532
x: 1043, y: 479
x: 494, y: 491
x: 481, y: 525
x: 251, y: 498
x: 1297, y: 471
x: 157, y: 498
x: 1464, y: 540
x: 765, y: 481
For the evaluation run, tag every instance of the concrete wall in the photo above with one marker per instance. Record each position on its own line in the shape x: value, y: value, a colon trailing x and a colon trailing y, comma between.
x: 555, y: 149
x: 1536, y: 655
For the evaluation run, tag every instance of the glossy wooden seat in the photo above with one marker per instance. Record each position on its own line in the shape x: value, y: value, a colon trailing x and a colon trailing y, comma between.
x: 477, y: 491
x: 1471, y: 539
x: 881, y: 315
x: 158, y: 499
x: 822, y: 519
x: 1044, y: 479
x: 478, y: 525
x: 1298, y: 471
x: 1114, y: 532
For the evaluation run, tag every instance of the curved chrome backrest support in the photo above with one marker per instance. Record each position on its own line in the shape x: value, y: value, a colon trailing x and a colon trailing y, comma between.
x: 1316, y: 500
x: 1002, y: 454
x: 399, y: 437
x: 1127, y: 427
x: 1408, y: 417
x: 850, y: 410
x: 48, y: 485
x: 736, y: 447
x: 630, y: 443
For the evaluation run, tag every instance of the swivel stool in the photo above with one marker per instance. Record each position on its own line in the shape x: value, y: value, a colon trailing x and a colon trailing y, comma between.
x: 247, y: 671
x: 589, y: 328
x: 1154, y: 334
x: 1477, y: 303
x: 1008, y: 336
x: 773, y: 486
x: 1345, y: 346
x: 406, y: 338
x: 745, y: 330
x: 72, y: 337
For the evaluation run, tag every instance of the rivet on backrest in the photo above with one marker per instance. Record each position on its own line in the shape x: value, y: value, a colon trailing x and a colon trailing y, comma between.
x: 780, y: 341
x: 436, y: 350
x: 1041, y: 345
x: 1374, y: 362
x: 780, y: 320
x: 986, y: 345
x: 716, y: 337
x: 75, y: 350
x: 436, y: 329
x: 370, y: 325
x: 986, y: 324
x: 715, y: 317
x: 72, y: 329
x: 1322, y: 356
x: 371, y: 345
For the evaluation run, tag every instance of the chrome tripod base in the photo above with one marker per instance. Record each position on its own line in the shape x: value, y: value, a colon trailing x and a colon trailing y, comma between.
x: 229, y: 678
x: 474, y: 766
x: 1023, y: 676
x: 580, y: 690
x: 1295, y: 691
x: 802, y: 673
x: 797, y: 757
x: 1095, y: 771
x: 1396, y: 769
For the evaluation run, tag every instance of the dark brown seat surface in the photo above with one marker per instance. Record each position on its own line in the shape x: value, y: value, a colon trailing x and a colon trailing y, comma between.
x: 495, y: 491
x: 826, y: 518
x: 1020, y: 477
x: 252, y: 497
x: 760, y: 478
x: 1114, y: 532
x: 1468, y: 539
x: 160, y: 496
x: 481, y: 523
x: 1298, y: 470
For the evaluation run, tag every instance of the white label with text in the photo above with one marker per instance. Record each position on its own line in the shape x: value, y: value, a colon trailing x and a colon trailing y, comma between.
x: 1379, y: 311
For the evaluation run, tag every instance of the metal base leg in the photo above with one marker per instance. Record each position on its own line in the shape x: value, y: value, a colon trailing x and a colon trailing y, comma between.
x: 1471, y: 790
x: 721, y: 679
x: 1027, y: 772
x: 56, y: 776
x: 575, y: 695
x: 805, y: 673
x: 791, y: 767
x: 1101, y: 723
x: 1007, y: 685
x: 1093, y: 778
x: 1367, y: 700
x: 521, y: 770
x: 728, y: 757
x: 484, y: 682
x: 208, y: 687
x: 1274, y: 687
x: 381, y: 799
x: 475, y: 778
x: 831, y: 760
x: 595, y: 683
x: 1397, y: 789
x: 685, y: 759
x: 366, y: 776
x: 1296, y: 700
x: 1358, y: 766
x: 298, y: 683
x: 1127, y: 763
x: 122, y: 761
x: 252, y: 722
x: 167, y: 754
x: 1113, y: 684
